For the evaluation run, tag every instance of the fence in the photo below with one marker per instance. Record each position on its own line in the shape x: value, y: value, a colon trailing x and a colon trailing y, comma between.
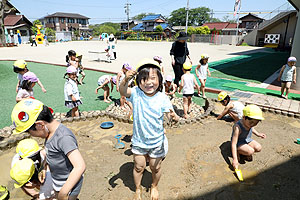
x: 217, y: 39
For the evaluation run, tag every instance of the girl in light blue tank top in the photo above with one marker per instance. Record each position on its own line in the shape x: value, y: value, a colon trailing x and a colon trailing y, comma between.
x: 287, y: 75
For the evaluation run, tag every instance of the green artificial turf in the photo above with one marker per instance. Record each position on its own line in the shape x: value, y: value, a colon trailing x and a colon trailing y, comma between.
x: 52, y: 78
x: 253, y: 69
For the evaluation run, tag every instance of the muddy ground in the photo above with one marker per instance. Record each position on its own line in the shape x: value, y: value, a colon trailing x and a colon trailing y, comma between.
x: 196, y: 166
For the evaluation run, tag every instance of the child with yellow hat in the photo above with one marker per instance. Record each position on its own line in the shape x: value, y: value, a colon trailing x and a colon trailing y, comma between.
x: 187, y: 84
x: 29, y: 149
x: 63, y: 157
x: 149, y: 105
x: 233, y: 108
x: 241, y: 141
x: 20, y: 67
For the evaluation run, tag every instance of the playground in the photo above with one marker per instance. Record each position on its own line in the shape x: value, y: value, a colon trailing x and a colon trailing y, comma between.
x: 198, y: 163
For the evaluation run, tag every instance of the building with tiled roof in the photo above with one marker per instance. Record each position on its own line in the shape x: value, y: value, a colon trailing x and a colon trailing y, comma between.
x: 60, y: 21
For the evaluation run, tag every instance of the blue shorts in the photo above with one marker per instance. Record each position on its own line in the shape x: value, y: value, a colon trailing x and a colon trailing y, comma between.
x: 240, y: 143
x: 157, y: 152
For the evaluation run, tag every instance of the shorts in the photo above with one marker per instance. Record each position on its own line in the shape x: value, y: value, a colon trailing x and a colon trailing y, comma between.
x: 285, y: 81
x: 46, y: 189
x: 157, y: 152
x: 187, y: 95
x: 75, y: 190
x: 72, y: 104
x: 240, y: 143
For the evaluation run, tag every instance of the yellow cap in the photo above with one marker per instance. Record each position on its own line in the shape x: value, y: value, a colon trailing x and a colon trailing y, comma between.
x: 27, y: 147
x: 222, y: 95
x: 187, y: 65
x: 145, y: 63
x: 22, y: 171
x: 25, y: 114
x: 204, y: 56
x: 253, y: 111
x: 20, y: 64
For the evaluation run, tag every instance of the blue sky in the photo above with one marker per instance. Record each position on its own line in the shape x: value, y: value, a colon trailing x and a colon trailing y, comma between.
x: 113, y: 10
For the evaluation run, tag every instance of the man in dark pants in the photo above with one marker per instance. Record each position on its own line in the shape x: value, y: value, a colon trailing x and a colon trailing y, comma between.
x: 179, y: 52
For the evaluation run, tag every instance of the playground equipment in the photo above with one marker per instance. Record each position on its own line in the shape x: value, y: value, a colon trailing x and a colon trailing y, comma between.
x: 39, y: 36
x: 19, y: 36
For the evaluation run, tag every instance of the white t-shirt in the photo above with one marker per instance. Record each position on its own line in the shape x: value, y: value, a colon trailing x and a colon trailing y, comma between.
x: 71, y: 88
x: 22, y: 93
x: 202, y: 71
x: 238, y: 108
x: 103, y: 78
x: 188, y: 87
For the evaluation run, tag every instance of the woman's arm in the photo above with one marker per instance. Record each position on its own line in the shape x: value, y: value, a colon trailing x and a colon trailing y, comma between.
x: 75, y: 175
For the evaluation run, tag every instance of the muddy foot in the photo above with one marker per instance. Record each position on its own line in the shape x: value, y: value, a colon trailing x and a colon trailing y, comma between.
x: 138, y: 194
x: 154, y: 193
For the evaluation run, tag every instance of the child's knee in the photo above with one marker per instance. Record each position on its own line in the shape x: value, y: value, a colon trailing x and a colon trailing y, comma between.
x: 155, y: 168
x: 258, y: 148
x: 139, y: 167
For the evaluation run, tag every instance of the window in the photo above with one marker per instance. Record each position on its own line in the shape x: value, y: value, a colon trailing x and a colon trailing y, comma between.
x: 62, y: 20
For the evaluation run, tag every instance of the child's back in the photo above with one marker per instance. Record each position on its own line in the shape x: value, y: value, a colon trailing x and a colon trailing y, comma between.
x: 188, y: 87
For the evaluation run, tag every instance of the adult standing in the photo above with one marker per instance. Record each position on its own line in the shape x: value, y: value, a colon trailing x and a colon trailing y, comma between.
x: 112, y: 41
x: 179, y: 52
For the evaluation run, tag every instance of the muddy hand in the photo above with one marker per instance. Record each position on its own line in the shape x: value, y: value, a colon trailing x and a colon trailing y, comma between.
x: 130, y: 74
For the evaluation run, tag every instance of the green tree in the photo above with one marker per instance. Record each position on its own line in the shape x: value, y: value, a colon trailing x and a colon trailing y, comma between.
x: 34, y: 28
x: 214, y: 20
x: 50, y: 32
x: 107, y: 29
x: 159, y: 28
x: 197, y: 16
x: 141, y: 16
x: 191, y: 30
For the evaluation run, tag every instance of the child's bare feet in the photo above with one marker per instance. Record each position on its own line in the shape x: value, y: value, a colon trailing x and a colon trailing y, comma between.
x: 138, y: 194
x: 186, y: 116
x: 106, y: 101
x: 154, y: 193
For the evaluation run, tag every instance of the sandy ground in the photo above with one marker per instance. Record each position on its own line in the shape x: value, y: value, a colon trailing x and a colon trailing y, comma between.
x: 127, y: 51
x: 196, y: 166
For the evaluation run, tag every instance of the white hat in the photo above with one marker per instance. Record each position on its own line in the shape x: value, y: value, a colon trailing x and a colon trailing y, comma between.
x: 292, y: 59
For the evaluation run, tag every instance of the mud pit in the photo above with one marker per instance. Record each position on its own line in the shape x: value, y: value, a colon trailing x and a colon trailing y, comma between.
x: 196, y: 166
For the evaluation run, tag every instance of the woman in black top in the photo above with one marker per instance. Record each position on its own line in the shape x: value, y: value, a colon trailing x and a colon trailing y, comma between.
x: 179, y: 52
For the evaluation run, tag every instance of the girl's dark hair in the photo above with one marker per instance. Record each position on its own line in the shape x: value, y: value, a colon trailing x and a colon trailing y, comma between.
x: 26, y: 85
x: 201, y: 61
x: 227, y: 98
x: 17, y: 69
x: 70, y: 53
x: 144, y: 75
x: 45, y: 115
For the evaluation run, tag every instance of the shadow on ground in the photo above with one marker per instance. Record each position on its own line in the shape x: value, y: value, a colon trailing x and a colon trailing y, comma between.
x: 282, y: 183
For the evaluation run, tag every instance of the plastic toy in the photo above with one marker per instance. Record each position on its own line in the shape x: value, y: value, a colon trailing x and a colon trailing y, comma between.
x: 298, y: 140
x: 39, y: 36
x: 239, y: 174
x: 119, y: 145
x: 107, y: 125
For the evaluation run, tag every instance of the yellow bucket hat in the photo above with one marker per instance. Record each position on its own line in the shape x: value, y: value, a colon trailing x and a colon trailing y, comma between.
x: 222, y: 95
x: 20, y: 64
x: 187, y: 65
x: 27, y: 147
x: 25, y: 114
x: 145, y: 63
x: 22, y: 171
x: 204, y: 56
x: 253, y: 112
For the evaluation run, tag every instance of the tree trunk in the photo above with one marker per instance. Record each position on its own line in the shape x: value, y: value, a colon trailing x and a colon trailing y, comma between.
x: 2, y: 31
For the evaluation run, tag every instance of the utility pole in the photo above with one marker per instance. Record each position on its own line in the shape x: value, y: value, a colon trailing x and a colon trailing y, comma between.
x: 187, y: 16
x: 127, y: 12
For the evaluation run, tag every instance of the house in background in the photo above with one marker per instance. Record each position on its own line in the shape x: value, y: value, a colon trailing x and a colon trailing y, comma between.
x: 13, y: 21
x: 133, y: 23
x: 150, y: 22
x: 249, y: 22
x: 61, y: 22
x: 224, y: 28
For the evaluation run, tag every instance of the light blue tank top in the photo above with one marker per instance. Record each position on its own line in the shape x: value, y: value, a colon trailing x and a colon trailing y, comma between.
x: 287, y: 74
x: 245, y: 135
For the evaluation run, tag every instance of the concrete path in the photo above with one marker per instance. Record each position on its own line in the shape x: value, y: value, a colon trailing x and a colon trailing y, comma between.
x: 127, y: 51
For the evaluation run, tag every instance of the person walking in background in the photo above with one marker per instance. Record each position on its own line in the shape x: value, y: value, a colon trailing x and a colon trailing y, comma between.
x: 179, y: 52
x: 33, y: 42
